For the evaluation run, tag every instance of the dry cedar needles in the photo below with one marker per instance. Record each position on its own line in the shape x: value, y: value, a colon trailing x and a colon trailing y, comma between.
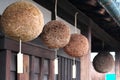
x: 22, y: 20
x: 103, y: 62
x: 78, y: 46
x: 56, y: 34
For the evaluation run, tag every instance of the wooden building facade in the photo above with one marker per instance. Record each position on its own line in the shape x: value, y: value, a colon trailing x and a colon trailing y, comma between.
x: 39, y: 60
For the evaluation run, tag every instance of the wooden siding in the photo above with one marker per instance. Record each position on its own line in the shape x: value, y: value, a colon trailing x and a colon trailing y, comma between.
x: 65, y: 69
x: 38, y: 63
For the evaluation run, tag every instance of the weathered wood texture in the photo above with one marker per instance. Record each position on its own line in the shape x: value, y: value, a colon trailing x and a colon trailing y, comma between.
x: 38, y: 61
x: 65, y: 69
x: 5, y: 64
x: 85, y: 69
x: 27, y: 48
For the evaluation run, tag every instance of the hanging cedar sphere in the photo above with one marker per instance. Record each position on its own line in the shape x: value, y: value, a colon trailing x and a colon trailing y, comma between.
x: 103, y: 62
x: 55, y: 34
x: 78, y: 46
x: 22, y: 20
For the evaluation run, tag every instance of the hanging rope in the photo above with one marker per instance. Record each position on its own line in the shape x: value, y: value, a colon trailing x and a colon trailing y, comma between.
x: 55, y: 9
x: 76, y: 22
x: 20, y: 45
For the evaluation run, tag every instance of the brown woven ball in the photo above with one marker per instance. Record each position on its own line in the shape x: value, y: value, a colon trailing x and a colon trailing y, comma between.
x: 103, y: 62
x: 22, y: 20
x: 55, y: 34
x: 78, y: 46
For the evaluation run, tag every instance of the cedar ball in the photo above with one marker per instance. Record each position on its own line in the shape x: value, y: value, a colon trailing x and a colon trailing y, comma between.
x: 103, y: 62
x: 56, y: 34
x: 78, y: 46
x: 22, y: 20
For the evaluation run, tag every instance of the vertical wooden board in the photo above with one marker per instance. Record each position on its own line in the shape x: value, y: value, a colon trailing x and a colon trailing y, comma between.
x: 78, y: 71
x: 36, y: 77
x: 85, y: 67
x: 25, y: 75
x: 117, y: 65
x: 13, y: 62
x: 41, y: 75
x: 66, y: 69
x: 32, y: 67
x: 12, y: 76
x: 63, y: 69
x: 5, y: 65
x: 46, y: 66
x: 45, y: 77
x: 8, y: 58
x: 59, y: 68
x: 51, y: 70
x: 26, y: 67
x: 37, y: 65
x: 85, y: 71
x: 71, y: 62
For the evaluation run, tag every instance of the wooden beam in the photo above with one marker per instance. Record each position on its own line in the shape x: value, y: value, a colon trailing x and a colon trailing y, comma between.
x: 66, y: 10
x: 96, y: 30
x: 104, y: 36
x: 27, y: 48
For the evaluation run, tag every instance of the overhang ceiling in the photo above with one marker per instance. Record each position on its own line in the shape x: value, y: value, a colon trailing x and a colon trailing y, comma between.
x: 104, y: 28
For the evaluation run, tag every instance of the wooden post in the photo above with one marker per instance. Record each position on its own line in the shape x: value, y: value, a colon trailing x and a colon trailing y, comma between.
x: 117, y: 65
x: 51, y: 70
x: 41, y: 76
x: 5, y: 65
x: 85, y: 60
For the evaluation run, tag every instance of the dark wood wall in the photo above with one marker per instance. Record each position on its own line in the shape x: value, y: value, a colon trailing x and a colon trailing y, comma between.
x: 38, y: 63
x: 65, y: 68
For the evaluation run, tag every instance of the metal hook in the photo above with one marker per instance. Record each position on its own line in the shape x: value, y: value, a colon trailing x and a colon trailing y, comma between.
x: 55, y: 9
x: 76, y: 22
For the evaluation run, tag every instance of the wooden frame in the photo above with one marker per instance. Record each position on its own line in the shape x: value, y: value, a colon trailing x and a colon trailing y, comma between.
x: 31, y: 52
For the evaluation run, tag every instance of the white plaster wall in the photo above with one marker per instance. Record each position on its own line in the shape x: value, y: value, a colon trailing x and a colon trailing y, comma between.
x: 72, y: 28
x: 46, y: 13
x: 4, y: 4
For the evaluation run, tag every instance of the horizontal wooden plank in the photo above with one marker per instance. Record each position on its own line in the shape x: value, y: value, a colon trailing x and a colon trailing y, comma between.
x: 27, y: 48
